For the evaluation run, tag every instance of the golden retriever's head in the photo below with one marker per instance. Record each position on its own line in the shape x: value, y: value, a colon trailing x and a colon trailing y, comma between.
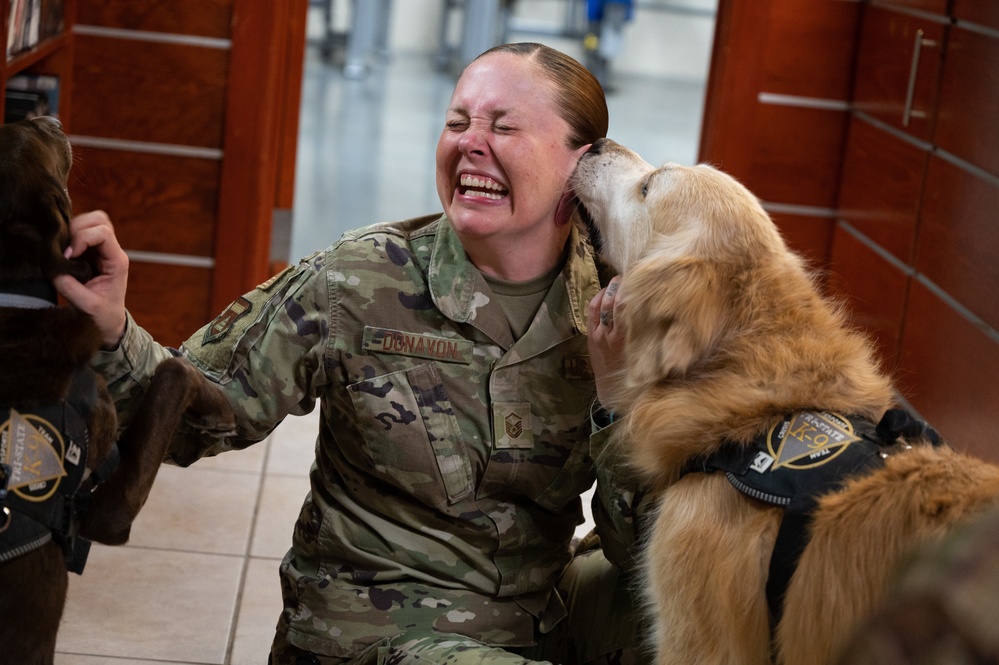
x: 639, y: 210
x: 35, y: 159
x: 684, y: 239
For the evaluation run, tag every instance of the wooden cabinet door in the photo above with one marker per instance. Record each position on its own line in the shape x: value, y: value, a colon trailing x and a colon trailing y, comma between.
x: 880, y: 187
x: 898, y: 69
x: 958, y: 246
x: 980, y: 12
x: 967, y: 117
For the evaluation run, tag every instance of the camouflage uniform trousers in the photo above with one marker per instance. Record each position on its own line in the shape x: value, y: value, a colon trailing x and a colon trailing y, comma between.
x: 602, y: 627
x: 943, y: 610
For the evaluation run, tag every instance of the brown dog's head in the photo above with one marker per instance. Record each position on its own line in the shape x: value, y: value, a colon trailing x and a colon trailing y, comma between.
x: 35, y: 159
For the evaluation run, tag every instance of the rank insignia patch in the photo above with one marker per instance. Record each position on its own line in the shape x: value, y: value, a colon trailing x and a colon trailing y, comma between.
x: 224, y: 321
x: 512, y: 425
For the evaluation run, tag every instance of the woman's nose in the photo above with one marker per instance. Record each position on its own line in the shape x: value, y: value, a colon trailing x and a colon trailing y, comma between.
x: 473, y: 141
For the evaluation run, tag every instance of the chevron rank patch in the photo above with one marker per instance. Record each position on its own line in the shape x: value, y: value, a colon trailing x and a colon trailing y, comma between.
x: 512, y: 425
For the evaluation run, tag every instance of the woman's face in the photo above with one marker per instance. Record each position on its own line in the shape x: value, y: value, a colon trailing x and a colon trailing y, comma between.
x: 502, y: 159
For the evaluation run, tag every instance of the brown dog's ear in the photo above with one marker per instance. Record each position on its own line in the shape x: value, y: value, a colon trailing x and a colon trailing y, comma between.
x: 674, y: 312
x: 34, y: 229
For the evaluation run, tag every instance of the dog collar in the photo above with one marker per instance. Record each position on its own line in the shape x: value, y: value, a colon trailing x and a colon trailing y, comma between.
x: 801, y: 458
x: 28, y: 295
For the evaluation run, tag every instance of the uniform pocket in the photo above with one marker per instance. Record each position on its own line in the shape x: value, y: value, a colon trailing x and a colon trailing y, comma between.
x: 411, y: 436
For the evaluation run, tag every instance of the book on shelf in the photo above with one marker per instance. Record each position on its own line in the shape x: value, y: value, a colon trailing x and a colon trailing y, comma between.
x: 31, y: 21
x: 29, y: 96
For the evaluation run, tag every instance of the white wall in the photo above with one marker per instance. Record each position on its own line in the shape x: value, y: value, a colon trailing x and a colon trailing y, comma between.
x: 656, y: 43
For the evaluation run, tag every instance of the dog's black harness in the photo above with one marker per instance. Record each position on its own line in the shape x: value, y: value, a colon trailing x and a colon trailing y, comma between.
x: 806, y: 455
x: 44, y: 485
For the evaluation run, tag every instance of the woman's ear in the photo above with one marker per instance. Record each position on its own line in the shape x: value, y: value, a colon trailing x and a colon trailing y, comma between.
x: 674, y: 314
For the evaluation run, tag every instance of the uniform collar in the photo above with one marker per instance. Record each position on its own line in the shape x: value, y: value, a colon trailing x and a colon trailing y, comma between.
x: 460, y: 292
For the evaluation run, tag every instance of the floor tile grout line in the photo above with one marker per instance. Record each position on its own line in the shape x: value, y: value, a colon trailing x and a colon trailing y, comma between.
x: 246, y: 557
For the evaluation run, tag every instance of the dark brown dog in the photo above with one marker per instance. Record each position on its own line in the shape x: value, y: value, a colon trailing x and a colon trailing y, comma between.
x: 64, y: 480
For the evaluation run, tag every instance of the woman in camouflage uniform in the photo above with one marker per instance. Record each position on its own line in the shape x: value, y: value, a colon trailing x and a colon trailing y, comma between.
x: 449, y: 355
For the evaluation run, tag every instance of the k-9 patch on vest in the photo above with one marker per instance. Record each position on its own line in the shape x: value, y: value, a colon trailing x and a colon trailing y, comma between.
x: 35, y: 456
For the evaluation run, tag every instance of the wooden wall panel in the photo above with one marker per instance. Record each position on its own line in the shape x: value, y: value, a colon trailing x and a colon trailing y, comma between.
x: 252, y: 149
x: 148, y: 91
x: 809, y: 236
x: 171, y: 302
x: 158, y: 203
x: 884, y: 65
x: 809, y: 53
x: 294, y: 69
x: 950, y: 367
x: 204, y: 18
x: 881, y: 187
x: 931, y: 6
x: 776, y: 108
x: 958, y: 247
x: 969, y: 99
x: 797, y: 155
x: 854, y: 268
x: 977, y: 11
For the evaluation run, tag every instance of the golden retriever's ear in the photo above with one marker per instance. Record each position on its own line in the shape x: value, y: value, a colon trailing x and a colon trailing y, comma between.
x: 675, y: 312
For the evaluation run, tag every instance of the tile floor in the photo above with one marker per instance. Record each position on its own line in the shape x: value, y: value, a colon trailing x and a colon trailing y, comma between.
x: 197, y: 583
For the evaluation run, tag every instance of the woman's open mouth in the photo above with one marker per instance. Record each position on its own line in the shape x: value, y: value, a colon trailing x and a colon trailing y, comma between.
x: 481, y: 187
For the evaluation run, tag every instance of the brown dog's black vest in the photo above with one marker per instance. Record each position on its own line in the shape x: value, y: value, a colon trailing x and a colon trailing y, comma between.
x: 44, y: 486
x: 803, y: 457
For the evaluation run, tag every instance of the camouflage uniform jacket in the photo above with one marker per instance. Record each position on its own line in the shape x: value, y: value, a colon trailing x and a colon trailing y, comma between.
x: 450, y: 459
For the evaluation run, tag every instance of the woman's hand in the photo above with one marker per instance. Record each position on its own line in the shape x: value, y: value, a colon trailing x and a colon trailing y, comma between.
x: 103, y: 297
x: 605, y: 338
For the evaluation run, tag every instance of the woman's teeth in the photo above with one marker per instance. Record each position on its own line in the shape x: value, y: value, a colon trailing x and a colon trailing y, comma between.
x: 482, y: 187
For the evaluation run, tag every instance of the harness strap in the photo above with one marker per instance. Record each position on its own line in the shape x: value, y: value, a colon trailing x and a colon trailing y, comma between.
x: 43, y: 456
x: 803, y: 457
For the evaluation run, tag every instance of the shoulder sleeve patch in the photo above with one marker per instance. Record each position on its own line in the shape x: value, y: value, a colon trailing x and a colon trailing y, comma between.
x: 223, y: 323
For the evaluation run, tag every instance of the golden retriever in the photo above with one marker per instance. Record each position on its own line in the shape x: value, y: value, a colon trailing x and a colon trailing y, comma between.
x: 63, y: 479
x: 727, y: 342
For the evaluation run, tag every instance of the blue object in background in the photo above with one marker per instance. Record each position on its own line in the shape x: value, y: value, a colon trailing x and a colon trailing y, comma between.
x: 595, y: 8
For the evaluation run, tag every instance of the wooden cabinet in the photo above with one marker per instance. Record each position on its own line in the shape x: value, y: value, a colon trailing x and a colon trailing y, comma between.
x: 914, y: 239
x: 921, y: 195
x: 184, y: 120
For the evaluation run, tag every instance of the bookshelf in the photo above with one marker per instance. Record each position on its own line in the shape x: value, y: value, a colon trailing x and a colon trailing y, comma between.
x: 183, y: 117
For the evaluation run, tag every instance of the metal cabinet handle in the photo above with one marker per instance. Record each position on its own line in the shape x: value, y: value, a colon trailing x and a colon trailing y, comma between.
x: 907, y: 112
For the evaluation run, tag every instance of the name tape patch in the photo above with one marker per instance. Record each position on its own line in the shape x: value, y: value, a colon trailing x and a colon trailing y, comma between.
x: 432, y: 347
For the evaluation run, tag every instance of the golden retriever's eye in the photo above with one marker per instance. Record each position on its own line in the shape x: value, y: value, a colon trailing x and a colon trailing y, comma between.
x: 645, y: 189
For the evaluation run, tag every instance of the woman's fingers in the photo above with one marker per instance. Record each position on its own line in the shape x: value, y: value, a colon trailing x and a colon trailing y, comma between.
x: 103, y: 296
